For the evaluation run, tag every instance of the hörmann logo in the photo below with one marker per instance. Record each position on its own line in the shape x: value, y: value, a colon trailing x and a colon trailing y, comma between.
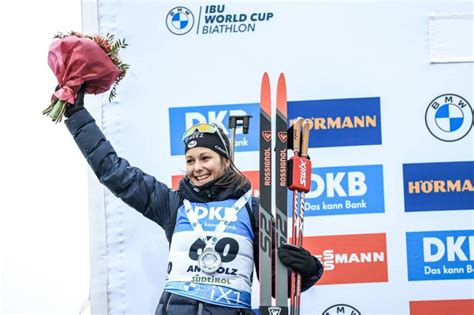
x: 439, y: 186
x: 340, y: 122
x: 440, y: 255
x: 217, y: 19
x: 357, y: 258
x: 345, y: 190
x: 182, y: 118
x: 449, y: 117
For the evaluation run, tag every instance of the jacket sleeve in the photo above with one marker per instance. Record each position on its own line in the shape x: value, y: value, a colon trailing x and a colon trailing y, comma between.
x: 137, y: 189
x: 306, y: 282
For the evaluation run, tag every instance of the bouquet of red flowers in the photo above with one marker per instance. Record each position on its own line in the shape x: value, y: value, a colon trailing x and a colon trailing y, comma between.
x: 77, y: 59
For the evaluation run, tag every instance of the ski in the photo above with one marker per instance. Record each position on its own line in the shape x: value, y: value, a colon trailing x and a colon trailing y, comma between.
x: 265, y: 211
x: 281, y: 195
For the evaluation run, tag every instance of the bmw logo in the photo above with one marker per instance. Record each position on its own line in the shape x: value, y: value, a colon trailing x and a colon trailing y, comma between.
x: 341, y: 309
x: 190, y: 286
x: 449, y: 117
x: 179, y: 20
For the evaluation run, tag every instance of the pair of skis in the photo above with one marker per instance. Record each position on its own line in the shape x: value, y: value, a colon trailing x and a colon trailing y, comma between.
x: 273, y: 226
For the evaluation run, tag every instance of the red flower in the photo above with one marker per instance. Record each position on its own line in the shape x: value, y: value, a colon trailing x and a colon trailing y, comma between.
x: 78, y: 59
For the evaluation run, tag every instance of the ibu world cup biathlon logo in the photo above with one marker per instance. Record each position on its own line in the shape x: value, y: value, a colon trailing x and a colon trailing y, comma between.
x: 449, y: 117
x: 180, y: 20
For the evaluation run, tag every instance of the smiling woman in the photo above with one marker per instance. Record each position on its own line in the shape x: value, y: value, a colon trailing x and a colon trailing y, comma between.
x: 211, y: 220
x: 204, y: 165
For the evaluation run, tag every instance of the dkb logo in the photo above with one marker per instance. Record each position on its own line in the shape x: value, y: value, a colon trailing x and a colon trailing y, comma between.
x: 345, y: 190
x: 440, y: 255
x: 182, y: 118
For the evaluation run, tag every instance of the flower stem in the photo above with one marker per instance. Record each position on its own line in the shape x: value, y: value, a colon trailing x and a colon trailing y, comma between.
x: 57, y: 111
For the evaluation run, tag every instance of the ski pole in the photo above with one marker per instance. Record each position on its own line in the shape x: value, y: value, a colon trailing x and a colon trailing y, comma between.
x: 295, y: 146
x: 307, y: 166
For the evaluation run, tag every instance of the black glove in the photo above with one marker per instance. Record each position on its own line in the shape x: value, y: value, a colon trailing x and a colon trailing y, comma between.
x: 78, y: 104
x: 300, y: 260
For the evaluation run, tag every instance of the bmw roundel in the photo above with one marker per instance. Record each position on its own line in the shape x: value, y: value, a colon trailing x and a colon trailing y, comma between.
x: 189, y: 286
x: 180, y: 20
x: 449, y: 117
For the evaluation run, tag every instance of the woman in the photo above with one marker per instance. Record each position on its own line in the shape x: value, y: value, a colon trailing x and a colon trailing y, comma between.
x: 211, y: 221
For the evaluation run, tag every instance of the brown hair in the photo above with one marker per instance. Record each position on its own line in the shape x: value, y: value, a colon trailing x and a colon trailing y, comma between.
x: 235, y: 175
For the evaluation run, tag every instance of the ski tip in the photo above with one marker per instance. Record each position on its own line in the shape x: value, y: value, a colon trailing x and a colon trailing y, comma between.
x: 281, y: 95
x: 281, y: 76
x: 265, y: 98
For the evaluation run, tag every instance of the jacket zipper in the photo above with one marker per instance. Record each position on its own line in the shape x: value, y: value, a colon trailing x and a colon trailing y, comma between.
x: 200, y: 308
x: 167, y: 303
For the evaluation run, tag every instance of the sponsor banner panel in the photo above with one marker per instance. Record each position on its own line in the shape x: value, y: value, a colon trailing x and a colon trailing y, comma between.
x: 358, y: 258
x: 439, y: 186
x: 340, y: 122
x: 442, y: 307
x: 182, y: 118
x: 440, y: 255
x: 345, y: 190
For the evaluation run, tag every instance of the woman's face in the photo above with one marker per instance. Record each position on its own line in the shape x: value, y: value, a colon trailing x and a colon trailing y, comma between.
x: 204, y: 165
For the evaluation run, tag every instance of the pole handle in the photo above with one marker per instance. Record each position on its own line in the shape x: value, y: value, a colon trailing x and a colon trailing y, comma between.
x: 305, y: 139
x: 297, y: 135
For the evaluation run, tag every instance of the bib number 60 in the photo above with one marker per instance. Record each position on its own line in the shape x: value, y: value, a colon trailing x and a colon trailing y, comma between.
x: 227, y: 247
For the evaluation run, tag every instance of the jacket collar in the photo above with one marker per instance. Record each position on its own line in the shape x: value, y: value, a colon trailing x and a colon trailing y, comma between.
x: 211, y: 191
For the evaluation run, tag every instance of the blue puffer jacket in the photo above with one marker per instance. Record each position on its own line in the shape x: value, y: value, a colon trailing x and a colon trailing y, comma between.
x: 156, y: 201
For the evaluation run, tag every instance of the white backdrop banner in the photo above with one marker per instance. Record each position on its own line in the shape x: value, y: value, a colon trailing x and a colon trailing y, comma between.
x: 388, y: 89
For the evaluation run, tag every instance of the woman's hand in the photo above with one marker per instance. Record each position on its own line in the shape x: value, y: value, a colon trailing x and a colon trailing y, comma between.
x: 300, y: 260
x: 78, y: 104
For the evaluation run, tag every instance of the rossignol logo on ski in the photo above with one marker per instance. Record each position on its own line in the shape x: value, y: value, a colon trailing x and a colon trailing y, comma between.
x: 283, y: 136
x: 267, y: 170
x: 267, y: 135
x: 274, y: 310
